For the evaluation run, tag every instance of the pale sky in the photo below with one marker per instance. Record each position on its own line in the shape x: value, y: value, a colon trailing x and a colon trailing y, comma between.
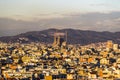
x: 28, y: 9
x: 17, y: 16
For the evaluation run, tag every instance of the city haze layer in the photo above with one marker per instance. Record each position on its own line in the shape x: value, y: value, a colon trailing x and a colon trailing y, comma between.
x: 30, y: 15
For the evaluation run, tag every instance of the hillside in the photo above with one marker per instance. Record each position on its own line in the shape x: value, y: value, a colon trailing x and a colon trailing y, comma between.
x: 74, y: 36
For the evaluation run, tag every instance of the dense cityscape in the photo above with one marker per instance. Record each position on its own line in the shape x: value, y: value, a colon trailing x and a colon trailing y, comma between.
x: 59, y: 61
x: 59, y: 39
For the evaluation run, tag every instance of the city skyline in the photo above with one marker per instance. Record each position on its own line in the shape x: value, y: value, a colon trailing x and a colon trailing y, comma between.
x: 59, y: 40
x: 34, y: 15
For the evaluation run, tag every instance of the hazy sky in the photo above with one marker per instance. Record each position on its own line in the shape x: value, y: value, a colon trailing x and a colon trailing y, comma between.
x: 17, y: 16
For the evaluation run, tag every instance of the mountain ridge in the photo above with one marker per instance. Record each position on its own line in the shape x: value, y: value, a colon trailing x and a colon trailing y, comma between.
x: 74, y: 36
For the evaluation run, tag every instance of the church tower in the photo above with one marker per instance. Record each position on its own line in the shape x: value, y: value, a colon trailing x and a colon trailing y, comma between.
x: 60, y: 39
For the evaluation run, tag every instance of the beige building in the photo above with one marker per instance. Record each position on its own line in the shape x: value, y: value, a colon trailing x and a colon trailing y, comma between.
x: 69, y: 76
x: 104, y: 61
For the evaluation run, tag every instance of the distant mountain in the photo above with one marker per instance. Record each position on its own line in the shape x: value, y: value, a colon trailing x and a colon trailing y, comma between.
x: 74, y: 36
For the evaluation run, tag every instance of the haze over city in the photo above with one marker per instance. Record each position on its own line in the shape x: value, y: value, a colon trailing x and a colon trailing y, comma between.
x: 19, y: 16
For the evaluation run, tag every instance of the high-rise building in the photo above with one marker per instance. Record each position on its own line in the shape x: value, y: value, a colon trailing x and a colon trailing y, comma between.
x: 115, y: 46
x: 109, y: 45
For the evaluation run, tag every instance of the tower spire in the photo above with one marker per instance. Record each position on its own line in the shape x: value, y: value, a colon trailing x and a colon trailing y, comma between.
x: 66, y: 36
